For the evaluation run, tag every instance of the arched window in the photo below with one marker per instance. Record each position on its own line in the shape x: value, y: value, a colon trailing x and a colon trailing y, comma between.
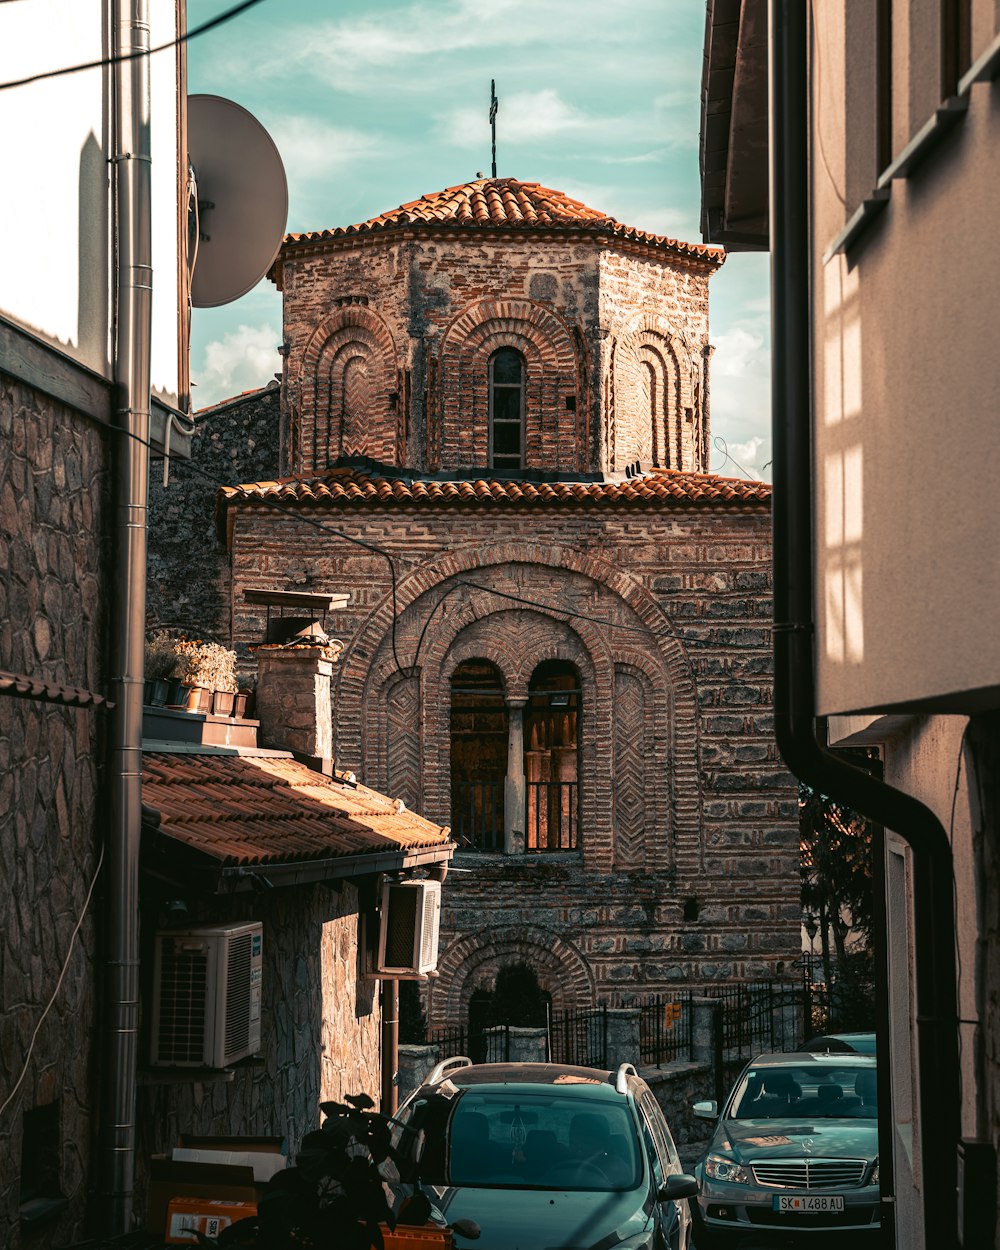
x: 551, y: 755
x: 507, y: 410
x: 478, y: 756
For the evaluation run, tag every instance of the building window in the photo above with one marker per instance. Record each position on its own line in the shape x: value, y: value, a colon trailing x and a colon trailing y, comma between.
x: 478, y: 756
x: 551, y: 754
x: 506, y: 410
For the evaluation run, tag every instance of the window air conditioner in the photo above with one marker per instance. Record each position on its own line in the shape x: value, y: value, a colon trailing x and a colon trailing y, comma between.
x: 408, y: 928
x: 206, y: 995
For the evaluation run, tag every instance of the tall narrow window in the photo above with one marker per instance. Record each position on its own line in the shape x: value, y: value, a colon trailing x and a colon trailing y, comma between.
x: 551, y: 753
x: 478, y: 756
x: 506, y: 410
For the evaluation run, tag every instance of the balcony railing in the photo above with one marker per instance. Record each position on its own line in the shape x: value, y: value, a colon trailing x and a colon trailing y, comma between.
x: 551, y: 817
x: 477, y: 815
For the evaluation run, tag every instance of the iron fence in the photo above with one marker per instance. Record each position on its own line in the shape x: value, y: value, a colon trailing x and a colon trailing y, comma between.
x: 666, y: 1029
x: 487, y: 1045
x: 580, y: 1037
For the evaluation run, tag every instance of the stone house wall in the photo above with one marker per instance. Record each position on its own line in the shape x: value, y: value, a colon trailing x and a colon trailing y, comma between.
x: 388, y: 343
x: 321, y: 1034
x: 689, y: 861
x: 54, y: 574
x: 187, y: 589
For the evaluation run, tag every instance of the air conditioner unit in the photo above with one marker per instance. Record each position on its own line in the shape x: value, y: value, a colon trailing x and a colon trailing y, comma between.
x: 408, y: 928
x: 206, y: 995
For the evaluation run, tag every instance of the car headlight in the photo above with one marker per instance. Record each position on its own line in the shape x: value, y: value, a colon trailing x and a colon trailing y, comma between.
x: 873, y: 1179
x: 719, y: 1168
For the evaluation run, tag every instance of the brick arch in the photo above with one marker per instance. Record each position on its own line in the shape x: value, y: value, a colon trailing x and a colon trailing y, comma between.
x: 346, y: 378
x: 649, y: 397
x: 368, y: 662
x: 466, y: 961
x: 458, y: 417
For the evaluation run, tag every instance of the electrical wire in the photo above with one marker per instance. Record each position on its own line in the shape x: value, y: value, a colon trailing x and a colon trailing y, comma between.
x: 203, y: 29
x: 62, y: 976
x: 723, y: 446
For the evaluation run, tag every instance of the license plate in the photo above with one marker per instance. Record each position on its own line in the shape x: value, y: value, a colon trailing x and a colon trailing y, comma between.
x: 810, y: 1202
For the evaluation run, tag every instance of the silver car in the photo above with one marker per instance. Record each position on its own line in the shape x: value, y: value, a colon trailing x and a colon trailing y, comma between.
x: 795, y: 1148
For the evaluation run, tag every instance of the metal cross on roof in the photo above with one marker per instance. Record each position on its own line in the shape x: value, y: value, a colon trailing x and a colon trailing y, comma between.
x: 494, y: 105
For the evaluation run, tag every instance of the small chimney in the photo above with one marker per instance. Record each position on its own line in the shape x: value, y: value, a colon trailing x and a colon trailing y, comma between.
x: 294, y: 668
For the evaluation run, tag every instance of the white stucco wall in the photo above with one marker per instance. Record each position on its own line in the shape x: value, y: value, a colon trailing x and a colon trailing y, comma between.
x: 907, y: 376
x: 55, y: 214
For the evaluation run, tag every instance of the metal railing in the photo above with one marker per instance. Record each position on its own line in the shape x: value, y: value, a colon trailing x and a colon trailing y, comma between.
x: 487, y: 1045
x: 580, y: 1037
x: 666, y: 1032
x: 551, y: 817
x: 477, y: 815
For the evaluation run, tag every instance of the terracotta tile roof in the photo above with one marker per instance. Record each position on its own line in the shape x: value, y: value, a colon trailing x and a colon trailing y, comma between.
x: 20, y: 686
x: 502, y: 203
x: 351, y: 486
x: 257, y: 810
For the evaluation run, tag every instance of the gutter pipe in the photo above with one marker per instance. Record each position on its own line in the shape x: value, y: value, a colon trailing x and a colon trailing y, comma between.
x: 936, y: 1023
x: 133, y: 309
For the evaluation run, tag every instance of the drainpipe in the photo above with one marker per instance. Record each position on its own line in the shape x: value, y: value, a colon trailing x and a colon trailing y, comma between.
x: 390, y: 1047
x: 132, y: 354
x: 794, y: 681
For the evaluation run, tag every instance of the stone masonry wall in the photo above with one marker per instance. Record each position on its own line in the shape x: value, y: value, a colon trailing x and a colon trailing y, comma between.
x: 54, y: 567
x: 389, y: 341
x: 320, y: 1029
x: 666, y: 616
x: 187, y: 572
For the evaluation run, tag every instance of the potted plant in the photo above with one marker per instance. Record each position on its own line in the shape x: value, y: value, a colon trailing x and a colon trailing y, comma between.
x: 160, y: 666
x: 206, y: 667
x: 242, y: 701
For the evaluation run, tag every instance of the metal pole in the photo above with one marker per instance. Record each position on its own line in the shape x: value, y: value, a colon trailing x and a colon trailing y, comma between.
x: 390, y: 1046
x: 133, y: 309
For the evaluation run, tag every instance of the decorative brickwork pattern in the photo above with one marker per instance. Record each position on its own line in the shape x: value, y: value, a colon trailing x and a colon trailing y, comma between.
x: 631, y: 736
x: 546, y: 344
x: 348, y: 371
x: 402, y: 722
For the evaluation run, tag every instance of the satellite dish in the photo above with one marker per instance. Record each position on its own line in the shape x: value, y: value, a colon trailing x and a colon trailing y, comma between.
x: 242, y: 199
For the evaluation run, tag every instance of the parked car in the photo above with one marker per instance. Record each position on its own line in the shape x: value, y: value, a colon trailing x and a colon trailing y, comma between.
x: 544, y: 1156
x: 838, y: 1043
x: 795, y: 1148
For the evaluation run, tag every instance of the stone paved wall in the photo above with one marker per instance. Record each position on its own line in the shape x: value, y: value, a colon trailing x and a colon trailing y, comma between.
x: 188, y: 571
x: 320, y: 1030
x: 54, y: 564
x: 676, y: 602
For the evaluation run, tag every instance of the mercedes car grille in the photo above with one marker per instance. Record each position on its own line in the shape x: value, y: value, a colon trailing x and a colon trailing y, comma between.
x: 809, y: 1173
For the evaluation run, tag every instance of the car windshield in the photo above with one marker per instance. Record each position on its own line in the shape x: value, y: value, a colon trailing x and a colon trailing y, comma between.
x: 516, y: 1139
x: 806, y: 1091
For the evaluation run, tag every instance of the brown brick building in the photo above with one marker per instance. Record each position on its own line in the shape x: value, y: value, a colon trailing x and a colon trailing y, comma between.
x: 557, y: 641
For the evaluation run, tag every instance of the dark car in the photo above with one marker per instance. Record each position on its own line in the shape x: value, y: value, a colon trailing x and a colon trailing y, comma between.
x: 546, y: 1156
x: 839, y: 1043
x: 795, y: 1148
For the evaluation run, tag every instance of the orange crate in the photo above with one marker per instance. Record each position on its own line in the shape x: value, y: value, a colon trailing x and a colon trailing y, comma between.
x: 424, y: 1237
x: 187, y: 1217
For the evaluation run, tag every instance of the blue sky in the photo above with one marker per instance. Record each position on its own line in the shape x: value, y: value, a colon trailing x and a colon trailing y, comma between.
x: 374, y: 104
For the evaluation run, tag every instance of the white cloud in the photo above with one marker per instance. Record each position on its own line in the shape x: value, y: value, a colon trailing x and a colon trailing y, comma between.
x: 739, y: 353
x: 313, y: 150
x: 241, y: 360
x: 527, y: 116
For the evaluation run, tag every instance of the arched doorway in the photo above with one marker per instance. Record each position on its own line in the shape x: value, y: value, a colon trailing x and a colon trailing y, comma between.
x: 478, y: 756
x: 551, y: 757
x: 516, y: 999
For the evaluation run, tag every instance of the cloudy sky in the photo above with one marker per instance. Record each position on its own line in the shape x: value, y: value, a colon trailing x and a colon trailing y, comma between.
x: 374, y: 103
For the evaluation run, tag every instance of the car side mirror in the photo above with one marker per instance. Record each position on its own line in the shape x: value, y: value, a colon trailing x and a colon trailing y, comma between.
x: 706, y: 1110
x: 680, y: 1185
x: 468, y: 1229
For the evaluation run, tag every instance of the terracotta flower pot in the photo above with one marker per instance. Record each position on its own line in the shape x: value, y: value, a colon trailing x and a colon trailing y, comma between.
x: 240, y: 703
x: 199, y: 699
x: 222, y: 702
